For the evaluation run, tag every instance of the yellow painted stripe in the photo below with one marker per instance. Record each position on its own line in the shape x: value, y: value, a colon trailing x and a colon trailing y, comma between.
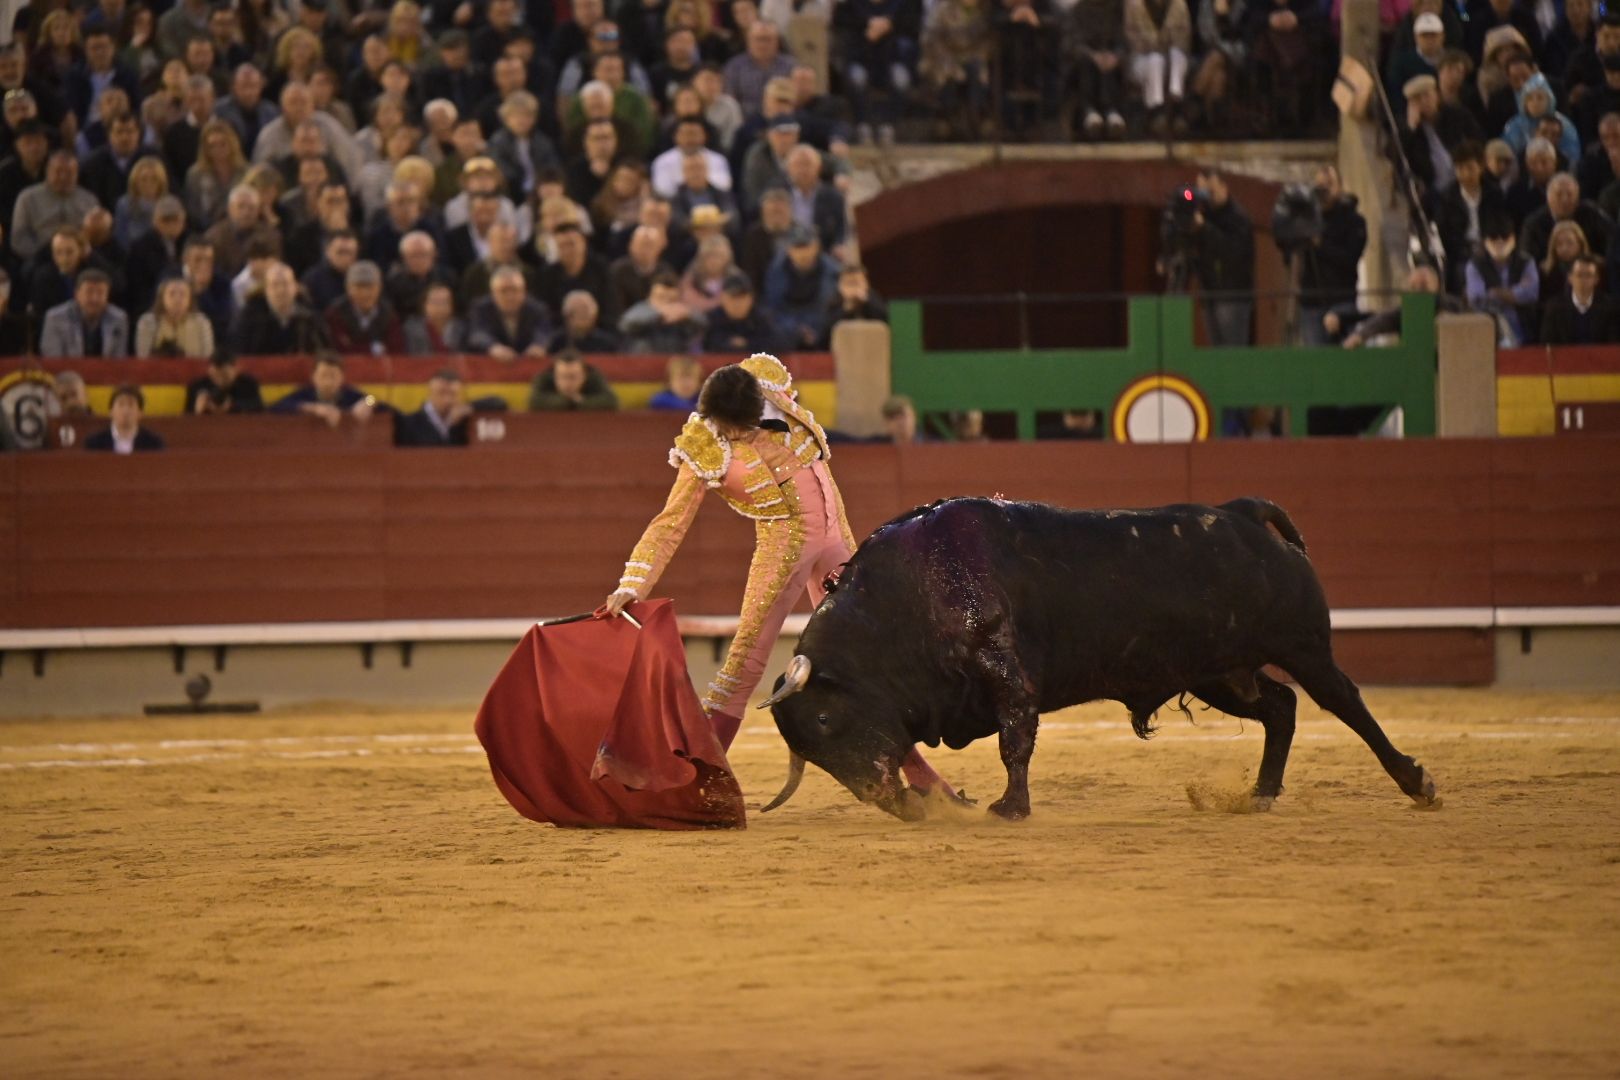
x: 819, y: 396
x: 1524, y: 403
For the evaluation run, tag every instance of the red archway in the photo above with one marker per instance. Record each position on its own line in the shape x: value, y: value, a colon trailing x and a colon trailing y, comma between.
x: 1055, y: 228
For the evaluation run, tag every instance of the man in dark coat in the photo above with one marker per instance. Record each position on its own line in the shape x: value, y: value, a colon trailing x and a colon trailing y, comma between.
x: 739, y: 325
x: 508, y: 323
x: 1564, y: 203
x: 125, y: 435
x: 274, y: 322
x: 1461, y: 209
x: 1328, y: 264
x: 578, y: 267
x: 98, y: 70
x: 1431, y: 131
x: 156, y: 254
x: 106, y: 172
x: 442, y: 419
x: 1224, y: 258
x: 223, y: 388
x: 1582, y: 316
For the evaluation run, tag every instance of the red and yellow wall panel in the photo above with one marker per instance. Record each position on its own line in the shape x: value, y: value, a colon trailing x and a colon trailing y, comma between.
x: 1531, y: 383
x: 401, y: 381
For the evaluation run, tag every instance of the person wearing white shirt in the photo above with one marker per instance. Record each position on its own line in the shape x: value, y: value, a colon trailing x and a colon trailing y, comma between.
x: 690, y: 136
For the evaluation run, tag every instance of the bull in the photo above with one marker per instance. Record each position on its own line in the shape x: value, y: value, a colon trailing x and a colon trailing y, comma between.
x: 970, y: 617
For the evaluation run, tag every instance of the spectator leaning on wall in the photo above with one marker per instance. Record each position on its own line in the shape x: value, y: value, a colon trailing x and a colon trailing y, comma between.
x: 327, y: 396
x: 442, y: 419
x: 125, y: 435
x: 570, y: 384
x: 224, y: 388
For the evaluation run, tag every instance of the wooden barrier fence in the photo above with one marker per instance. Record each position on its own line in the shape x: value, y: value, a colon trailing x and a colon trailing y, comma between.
x: 542, y: 526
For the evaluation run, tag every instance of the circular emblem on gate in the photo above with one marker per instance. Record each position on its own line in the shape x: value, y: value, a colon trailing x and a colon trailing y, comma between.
x: 28, y: 401
x: 1161, y: 408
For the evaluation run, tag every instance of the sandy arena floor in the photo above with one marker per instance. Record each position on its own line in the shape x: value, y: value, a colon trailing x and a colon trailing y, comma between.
x: 346, y: 894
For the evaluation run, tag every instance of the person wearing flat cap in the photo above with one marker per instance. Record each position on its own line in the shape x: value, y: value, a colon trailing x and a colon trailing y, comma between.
x: 800, y: 286
x: 1432, y: 130
x: 765, y: 164
x: 1419, y: 53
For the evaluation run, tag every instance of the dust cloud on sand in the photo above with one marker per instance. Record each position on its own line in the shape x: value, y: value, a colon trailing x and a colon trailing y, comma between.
x: 344, y: 893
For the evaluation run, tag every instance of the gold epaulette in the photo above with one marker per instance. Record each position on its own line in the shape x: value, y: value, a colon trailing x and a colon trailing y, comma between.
x: 703, y: 450
x: 771, y: 373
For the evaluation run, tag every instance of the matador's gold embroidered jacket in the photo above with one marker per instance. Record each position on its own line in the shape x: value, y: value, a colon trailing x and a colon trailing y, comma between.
x: 706, y: 459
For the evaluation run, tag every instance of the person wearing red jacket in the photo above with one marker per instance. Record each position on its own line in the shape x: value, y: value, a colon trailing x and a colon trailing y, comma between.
x: 362, y: 320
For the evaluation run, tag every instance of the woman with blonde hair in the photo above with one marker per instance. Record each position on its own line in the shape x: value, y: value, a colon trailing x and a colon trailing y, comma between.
x: 556, y: 211
x: 298, y: 57
x: 174, y: 326
x: 59, y: 46
x: 700, y: 285
x: 132, y: 217
x: 271, y: 185
x: 1564, y: 243
x: 220, y: 167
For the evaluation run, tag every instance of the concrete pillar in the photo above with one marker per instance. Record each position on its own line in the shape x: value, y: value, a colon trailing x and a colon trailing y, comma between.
x: 860, y: 349
x: 1465, y: 390
x: 808, y: 39
x: 1365, y: 170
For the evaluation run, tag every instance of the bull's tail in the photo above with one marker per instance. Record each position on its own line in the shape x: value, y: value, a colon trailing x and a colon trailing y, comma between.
x: 1265, y: 512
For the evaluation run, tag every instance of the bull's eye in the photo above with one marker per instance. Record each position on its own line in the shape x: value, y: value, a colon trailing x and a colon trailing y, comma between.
x: 823, y: 719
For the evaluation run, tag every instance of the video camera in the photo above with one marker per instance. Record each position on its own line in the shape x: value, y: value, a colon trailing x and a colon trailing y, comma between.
x: 1178, y: 236
x: 1296, y: 219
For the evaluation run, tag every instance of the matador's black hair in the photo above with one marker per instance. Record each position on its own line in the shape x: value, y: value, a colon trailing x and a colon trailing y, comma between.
x: 732, y: 396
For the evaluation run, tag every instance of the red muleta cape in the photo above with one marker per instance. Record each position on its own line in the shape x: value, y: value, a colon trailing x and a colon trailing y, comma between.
x: 596, y: 723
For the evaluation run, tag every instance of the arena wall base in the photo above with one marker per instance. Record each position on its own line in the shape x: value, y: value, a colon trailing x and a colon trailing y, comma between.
x: 454, y: 675
x: 1558, y: 658
x: 448, y: 675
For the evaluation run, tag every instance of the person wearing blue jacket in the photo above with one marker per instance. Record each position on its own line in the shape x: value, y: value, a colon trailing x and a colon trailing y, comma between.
x: 1536, y: 101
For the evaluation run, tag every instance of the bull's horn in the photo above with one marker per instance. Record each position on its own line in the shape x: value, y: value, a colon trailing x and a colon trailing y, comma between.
x: 798, y: 673
x: 795, y: 774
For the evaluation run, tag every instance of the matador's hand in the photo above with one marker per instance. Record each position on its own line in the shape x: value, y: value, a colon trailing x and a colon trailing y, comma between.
x: 615, y: 604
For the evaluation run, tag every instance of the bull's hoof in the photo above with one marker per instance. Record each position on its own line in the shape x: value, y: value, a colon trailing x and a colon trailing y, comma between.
x: 1261, y: 803
x: 1009, y: 811
x: 1427, y: 794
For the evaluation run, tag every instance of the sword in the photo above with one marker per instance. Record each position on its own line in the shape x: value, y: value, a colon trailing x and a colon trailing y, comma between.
x: 587, y: 615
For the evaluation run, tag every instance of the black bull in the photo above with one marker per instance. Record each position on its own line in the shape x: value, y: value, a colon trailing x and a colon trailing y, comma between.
x: 970, y: 617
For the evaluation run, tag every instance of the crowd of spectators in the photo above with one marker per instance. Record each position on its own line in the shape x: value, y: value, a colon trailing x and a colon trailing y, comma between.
x: 484, y: 176
x: 1510, y: 124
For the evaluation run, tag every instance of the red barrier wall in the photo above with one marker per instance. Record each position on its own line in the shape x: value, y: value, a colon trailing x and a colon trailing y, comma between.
x: 232, y: 535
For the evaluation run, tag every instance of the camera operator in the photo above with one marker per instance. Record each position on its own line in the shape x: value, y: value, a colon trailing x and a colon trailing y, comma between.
x: 1327, y: 272
x: 1223, y: 258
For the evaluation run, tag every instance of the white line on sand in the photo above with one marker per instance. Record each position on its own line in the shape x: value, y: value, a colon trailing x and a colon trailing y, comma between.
x: 391, y: 744
x: 194, y: 759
